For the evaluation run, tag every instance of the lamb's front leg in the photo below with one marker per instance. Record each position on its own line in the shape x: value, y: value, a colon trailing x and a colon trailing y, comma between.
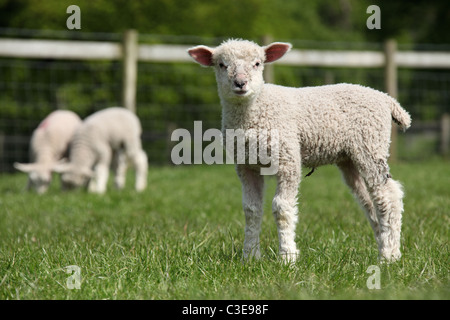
x: 252, y: 202
x: 99, y: 182
x: 284, y: 207
x: 120, y: 169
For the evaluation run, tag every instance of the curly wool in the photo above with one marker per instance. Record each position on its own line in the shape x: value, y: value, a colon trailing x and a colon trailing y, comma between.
x: 49, y: 144
x: 112, y: 132
x: 343, y: 124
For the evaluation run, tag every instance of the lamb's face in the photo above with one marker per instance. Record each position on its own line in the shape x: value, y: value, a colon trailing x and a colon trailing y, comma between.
x: 39, y: 175
x: 39, y: 180
x: 239, y: 66
x: 239, y: 69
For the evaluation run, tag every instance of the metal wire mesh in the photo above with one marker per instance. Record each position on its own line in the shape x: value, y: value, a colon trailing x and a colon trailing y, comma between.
x: 174, y: 95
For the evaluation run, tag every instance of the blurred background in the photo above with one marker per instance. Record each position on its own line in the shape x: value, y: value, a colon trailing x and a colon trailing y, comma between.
x: 173, y: 93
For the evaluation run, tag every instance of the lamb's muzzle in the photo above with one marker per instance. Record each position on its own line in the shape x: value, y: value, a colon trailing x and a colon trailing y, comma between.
x: 240, y: 84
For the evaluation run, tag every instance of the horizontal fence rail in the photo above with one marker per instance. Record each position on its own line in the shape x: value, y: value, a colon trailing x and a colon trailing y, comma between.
x: 93, y: 50
x: 164, y: 99
x: 60, y: 49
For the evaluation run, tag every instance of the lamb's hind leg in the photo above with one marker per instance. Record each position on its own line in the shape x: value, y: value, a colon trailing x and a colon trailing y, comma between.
x: 140, y: 163
x: 139, y: 160
x: 388, y: 199
x: 252, y: 202
x: 120, y: 169
x: 387, y: 196
x: 358, y: 187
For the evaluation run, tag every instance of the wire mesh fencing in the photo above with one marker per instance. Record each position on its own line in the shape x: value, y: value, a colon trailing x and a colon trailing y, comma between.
x: 174, y: 95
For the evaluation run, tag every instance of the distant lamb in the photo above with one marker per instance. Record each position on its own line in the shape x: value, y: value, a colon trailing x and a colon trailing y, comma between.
x: 343, y: 124
x: 113, y: 132
x: 49, y: 144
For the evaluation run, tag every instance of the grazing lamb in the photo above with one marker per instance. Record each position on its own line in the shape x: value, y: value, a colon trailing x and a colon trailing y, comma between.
x: 343, y: 124
x: 49, y: 144
x: 104, y: 134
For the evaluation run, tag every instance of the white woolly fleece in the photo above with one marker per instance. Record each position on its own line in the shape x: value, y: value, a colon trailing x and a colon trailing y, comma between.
x: 344, y: 124
x: 112, y: 132
x: 49, y: 144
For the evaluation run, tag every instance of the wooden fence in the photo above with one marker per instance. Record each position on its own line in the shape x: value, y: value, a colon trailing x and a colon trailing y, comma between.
x: 130, y: 51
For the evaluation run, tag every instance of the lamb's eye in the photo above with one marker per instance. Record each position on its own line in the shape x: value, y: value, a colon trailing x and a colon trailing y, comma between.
x: 257, y: 64
x: 222, y: 66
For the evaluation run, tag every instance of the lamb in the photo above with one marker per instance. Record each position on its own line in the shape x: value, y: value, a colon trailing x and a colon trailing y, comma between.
x: 112, y: 132
x: 49, y: 143
x: 343, y: 124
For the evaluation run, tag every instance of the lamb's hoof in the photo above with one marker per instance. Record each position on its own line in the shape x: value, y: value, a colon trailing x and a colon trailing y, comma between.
x: 390, y: 256
x: 254, y: 254
x: 289, y: 257
x: 140, y: 188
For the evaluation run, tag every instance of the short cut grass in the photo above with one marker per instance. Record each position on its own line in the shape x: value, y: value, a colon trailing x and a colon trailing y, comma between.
x: 182, y: 239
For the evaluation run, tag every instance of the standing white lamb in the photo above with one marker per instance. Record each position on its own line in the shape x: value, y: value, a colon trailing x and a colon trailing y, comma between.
x: 343, y: 124
x: 49, y: 144
x: 112, y: 132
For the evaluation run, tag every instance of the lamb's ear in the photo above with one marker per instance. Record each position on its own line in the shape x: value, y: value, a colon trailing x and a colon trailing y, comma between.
x: 202, y: 54
x: 25, y: 167
x: 276, y: 50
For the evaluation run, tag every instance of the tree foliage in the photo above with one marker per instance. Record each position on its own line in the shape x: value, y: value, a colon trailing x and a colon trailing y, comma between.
x: 344, y: 20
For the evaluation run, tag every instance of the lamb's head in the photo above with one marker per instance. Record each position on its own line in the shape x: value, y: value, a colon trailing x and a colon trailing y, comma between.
x: 39, y: 175
x: 239, y: 66
x: 73, y: 176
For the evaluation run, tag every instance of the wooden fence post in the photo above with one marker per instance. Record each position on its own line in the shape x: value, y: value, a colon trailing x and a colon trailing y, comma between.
x: 130, y: 58
x: 391, y: 83
x: 445, y: 134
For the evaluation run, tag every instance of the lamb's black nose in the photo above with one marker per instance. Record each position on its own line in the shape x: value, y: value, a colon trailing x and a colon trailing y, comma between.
x: 240, y: 84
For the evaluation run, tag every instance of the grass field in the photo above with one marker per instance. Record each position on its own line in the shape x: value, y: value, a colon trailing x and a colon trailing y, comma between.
x: 182, y: 239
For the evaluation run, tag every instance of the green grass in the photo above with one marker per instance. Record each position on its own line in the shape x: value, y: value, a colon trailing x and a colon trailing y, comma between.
x: 182, y: 239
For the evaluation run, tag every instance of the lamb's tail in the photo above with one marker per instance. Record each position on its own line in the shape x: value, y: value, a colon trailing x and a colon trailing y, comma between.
x: 400, y: 116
